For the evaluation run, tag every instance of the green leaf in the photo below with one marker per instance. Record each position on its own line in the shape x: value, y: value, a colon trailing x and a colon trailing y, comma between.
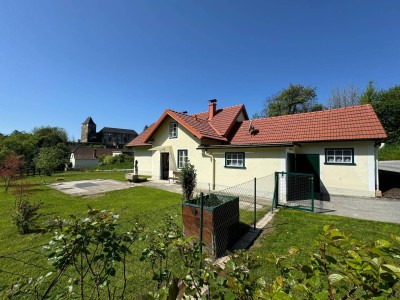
x: 334, y: 278
x: 394, y: 269
x: 383, y: 244
x: 354, y: 255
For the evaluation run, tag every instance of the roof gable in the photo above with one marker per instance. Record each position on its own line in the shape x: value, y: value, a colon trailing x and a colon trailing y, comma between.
x: 217, y: 128
x: 225, y: 118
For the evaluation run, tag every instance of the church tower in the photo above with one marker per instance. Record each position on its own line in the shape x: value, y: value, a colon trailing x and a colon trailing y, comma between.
x: 88, y: 131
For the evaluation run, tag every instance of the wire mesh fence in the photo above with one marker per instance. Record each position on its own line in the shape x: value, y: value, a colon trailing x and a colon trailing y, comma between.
x: 294, y: 190
x: 255, y: 198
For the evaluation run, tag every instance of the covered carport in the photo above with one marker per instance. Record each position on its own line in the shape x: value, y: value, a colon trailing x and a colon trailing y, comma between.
x: 389, y: 178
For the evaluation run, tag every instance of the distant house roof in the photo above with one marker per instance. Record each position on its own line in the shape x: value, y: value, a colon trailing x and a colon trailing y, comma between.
x: 349, y: 123
x: 88, y: 153
x: 118, y: 130
x: 89, y: 120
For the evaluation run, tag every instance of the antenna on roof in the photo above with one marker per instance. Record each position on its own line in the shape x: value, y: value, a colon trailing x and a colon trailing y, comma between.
x: 252, y: 130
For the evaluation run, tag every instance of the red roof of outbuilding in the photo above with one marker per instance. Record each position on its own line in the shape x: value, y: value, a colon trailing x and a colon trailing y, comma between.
x: 349, y: 123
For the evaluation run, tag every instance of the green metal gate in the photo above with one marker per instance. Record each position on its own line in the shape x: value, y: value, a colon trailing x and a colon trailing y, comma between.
x: 294, y: 190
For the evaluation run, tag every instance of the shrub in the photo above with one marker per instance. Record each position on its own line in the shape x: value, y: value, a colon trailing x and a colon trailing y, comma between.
x: 26, y: 213
x: 188, y: 179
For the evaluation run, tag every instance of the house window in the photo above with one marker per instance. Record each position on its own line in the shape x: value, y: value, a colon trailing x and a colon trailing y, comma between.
x: 182, y: 158
x: 234, y: 160
x: 343, y: 156
x: 173, y: 130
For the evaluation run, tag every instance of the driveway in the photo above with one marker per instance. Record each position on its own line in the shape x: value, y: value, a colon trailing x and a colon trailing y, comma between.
x: 375, y: 209
x: 390, y: 165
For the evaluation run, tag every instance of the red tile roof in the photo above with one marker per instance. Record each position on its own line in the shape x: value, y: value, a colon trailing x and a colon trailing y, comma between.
x: 216, y: 128
x: 349, y: 123
x: 140, y: 139
x: 224, y: 119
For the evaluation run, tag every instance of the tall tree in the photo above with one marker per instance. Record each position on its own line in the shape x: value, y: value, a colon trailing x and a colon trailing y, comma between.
x: 344, y: 96
x: 387, y: 107
x: 49, y: 160
x: 293, y: 100
x: 370, y: 95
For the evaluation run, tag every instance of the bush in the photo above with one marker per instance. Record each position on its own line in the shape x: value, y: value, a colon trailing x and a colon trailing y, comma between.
x: 188, y: 179
x: 26, y: 213
x: 111, y: 160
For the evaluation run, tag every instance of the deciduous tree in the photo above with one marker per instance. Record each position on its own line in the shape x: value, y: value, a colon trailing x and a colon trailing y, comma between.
x: 10, y: 168
x: 293, y: 100
x: 344, y: 96
x: 49, y: 159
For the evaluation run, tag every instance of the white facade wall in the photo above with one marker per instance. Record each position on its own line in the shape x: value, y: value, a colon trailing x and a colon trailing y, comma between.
x: 352, y: 180
x: 83, y: 163
x: 259, y: 162
x: 144, y: 158
x: 184, y: 141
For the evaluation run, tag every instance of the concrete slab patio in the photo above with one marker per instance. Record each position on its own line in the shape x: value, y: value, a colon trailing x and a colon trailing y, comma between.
x: 90, y: 187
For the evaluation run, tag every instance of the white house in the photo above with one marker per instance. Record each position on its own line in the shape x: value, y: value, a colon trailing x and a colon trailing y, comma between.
x: 338, y: 146
x: 87, y: 157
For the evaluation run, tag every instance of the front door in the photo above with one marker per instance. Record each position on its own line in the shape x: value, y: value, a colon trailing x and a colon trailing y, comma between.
x: 305, y: 163
x: 309, y: 163
x: 164, y: 166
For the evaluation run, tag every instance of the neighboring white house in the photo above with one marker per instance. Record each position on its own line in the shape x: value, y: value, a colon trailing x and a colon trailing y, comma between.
x: 87, y: 157
x: 338, y: 146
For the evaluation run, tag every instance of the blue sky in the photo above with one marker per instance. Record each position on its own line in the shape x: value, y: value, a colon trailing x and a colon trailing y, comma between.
x: 124, y: 62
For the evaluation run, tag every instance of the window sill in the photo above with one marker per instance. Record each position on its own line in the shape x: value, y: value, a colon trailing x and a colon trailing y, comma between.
x: 340, y: 164
x: 229, y: 167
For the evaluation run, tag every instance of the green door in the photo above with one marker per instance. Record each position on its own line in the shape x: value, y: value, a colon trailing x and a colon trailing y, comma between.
x: 309, y: 163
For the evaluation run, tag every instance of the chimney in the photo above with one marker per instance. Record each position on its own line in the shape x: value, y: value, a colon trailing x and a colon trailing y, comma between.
x: 212, y: 108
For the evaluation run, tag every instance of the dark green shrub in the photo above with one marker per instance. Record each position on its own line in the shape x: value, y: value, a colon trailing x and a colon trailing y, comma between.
x: 188, y: 179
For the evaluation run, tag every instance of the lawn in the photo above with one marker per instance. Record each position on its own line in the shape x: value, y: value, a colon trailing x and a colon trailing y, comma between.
x: 298, y: 228
x: 147, y: 204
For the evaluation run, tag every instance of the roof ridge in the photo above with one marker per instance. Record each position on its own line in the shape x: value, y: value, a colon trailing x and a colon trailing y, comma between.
x: 317, y: 112
x: 206, y: 112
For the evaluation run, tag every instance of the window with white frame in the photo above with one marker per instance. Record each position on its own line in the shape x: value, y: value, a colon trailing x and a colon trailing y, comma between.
x: 234, y: 159
x: 339, y: 156
x: 173, y: 130
x: 182, y: 158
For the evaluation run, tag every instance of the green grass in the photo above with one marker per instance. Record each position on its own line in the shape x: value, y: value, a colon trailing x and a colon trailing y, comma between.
x: 150, y: 205
x: 297, y: 228
x: 389, y: 152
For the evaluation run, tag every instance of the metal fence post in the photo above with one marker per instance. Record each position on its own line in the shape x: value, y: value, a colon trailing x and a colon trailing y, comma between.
x: 312, y: 192
x: 255, y: 202
x: 201, y: 221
